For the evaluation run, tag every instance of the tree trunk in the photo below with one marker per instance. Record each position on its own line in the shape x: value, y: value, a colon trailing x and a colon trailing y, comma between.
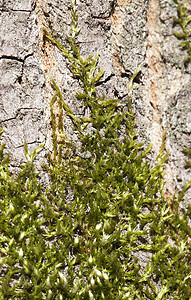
x: 125, y: 34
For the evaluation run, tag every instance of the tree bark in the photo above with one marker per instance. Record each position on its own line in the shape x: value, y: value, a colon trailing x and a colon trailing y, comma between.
x: 125, y: 33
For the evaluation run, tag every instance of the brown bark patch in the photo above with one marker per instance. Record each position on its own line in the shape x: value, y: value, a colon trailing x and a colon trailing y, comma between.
x: 153, y: 52
x: 118, y: 14
x: 49, y: 63
x: 156, y: 85
x: 46, y: 52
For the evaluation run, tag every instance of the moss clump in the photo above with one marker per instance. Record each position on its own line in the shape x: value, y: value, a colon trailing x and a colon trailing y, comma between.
x: 183, y: 21
x: 86, y: 235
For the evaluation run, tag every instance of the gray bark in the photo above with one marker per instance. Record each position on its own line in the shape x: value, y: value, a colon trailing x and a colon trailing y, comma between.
x: 125, y: 33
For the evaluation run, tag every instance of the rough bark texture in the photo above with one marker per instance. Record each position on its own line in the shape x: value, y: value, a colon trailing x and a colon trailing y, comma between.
x: 125, y: 33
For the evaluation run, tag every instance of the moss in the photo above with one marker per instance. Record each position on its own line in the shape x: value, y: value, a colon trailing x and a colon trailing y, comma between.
x: 84, y: 235
x: 188, y: 153
x: 183, y: 21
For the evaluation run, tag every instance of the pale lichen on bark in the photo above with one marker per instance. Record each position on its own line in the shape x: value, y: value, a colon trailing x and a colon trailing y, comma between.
x: 22, y: 80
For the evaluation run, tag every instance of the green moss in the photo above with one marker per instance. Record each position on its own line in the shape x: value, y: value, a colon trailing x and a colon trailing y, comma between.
x: 83, y: 237
x: 183, y: 21
x: 188, y: 153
